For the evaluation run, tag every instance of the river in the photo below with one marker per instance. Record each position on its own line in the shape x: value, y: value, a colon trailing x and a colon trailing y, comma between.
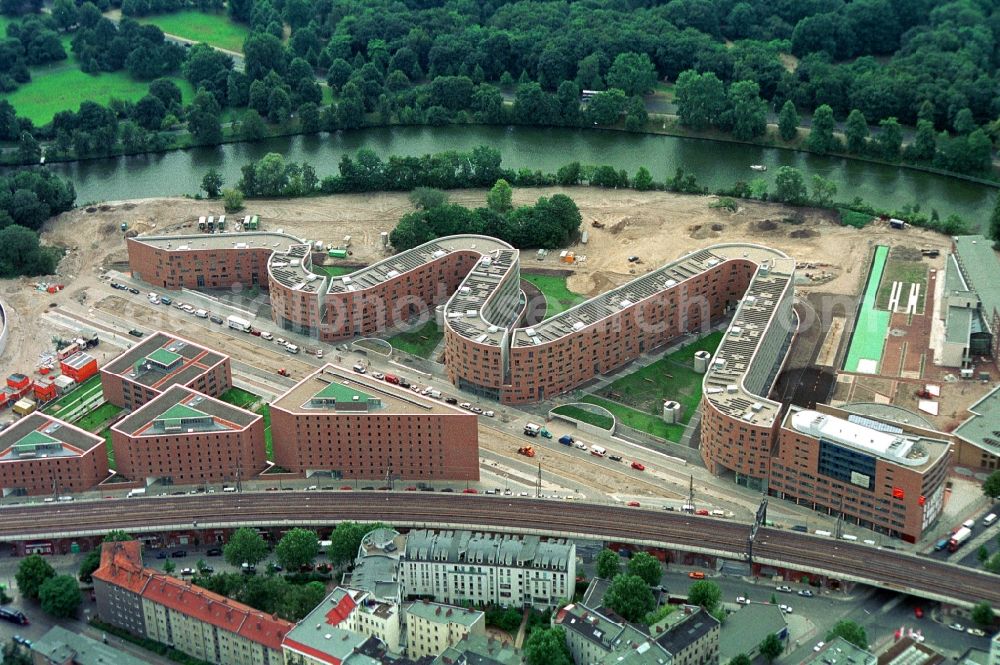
x: 715, y: 164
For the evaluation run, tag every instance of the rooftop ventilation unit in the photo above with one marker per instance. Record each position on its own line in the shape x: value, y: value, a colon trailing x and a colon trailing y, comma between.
x: 731, y: 388
x: 625, y: 303
x: 579, y: 325
x: 486, y: 262
x: 756, y: 407
x: 438, y: 254
x: 471, y: 313
x: 391, y: 274
x: 465, y: 290
x: 482, y: 338
x: 712, y: 262
x: 494, y: 329
x: 346, y: 280
x: 241, y: 245
x: 670, y: 283
x: 530, y: 332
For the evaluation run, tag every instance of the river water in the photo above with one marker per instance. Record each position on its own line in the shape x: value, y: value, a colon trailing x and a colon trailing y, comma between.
x: 715, y: 164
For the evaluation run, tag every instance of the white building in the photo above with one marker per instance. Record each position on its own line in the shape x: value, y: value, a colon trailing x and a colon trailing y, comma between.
x: 498, y: 569
x: 432, y: 627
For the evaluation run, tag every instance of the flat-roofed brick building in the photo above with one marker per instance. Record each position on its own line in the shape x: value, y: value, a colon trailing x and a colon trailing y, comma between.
x: 354, y: 426
x: 159, y: 362
x: 183, y: 436
x: 43, y: 455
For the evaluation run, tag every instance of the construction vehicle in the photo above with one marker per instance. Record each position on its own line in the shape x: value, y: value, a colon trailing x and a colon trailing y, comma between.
x: 597, y: 225
x: 923, y: 393
x: 283, y: 372
x: 527, y: 451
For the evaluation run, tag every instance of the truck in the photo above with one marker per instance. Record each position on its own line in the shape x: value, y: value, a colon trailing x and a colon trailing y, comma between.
x: 236, y: 323
x: 959, y: 538
x: 527, y: 451
x: 531, y: 429
x: 136, y: 492
x: 598, y: 451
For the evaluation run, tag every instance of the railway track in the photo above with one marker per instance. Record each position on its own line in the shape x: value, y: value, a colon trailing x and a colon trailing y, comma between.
x: 849, y: 561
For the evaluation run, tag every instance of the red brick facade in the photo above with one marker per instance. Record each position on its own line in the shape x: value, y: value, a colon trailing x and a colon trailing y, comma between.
x: 81, y: 464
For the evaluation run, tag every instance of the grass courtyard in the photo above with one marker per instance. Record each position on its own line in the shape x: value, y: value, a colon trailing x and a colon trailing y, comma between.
x: 558, y: 297
x: 420, y: 342
x: 98, y: 417
x: 333, y: 271
x: 595, y: 419
x: 637, y: 399
x: 82, y: 393
x: 213, y: 29
x: 245, y: 400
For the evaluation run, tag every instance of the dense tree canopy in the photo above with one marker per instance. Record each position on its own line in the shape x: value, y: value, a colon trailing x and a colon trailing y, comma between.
x: 629, y: 596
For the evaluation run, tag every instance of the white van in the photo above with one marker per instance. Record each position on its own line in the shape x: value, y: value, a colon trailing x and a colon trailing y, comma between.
x: 968, y: 524
x: 598, y: 451
x: 201, y: 313
x: 848, y: 536
x: 436, y: 394
x: 818, y: 532
x: 291, y: 348
x: 989, y: 519
x: 228, y: 489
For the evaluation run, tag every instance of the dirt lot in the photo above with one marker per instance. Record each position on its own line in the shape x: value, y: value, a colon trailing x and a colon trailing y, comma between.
x: 656, y: 226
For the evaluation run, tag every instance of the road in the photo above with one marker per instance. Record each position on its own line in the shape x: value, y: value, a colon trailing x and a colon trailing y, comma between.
x: 875, y: 566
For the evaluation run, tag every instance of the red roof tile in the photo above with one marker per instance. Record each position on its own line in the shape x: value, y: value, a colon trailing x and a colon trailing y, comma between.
x: 121, y: 565
x: 341, y: 610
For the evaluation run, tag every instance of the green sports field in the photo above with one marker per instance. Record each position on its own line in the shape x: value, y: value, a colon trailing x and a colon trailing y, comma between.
x: 872, y: 324
x: 212, y: 29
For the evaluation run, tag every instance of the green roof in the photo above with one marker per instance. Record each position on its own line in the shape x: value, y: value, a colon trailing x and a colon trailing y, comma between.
x: 342, y: 393
x: 983, y: 428
x: 178, y: 411
x: 163, y: 357
x: 35, y: 438
x: 959, y: 325
x: 981, y: 267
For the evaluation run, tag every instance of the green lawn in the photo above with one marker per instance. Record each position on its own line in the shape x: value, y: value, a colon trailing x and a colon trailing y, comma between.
x: 419, y: 342
x: 872, y: 324
x: 61, y: 86
x: 73, y: 398
x: 98, y: 417
x: 265, y: 410
x: 239, y: 397
x: 333, y: 271
x: 604, y: 422
x: 111, y: 451
x: 558, y: 298
x: 908, y: 272
x: 637, y: 399
x: 853, y: 218
x: 213, y: 29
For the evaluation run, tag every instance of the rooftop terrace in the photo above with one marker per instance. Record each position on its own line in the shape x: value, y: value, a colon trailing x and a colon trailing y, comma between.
x: 161, y: 360
x: 37, y: 436
x: 982, y: 429
x: 181, y: 410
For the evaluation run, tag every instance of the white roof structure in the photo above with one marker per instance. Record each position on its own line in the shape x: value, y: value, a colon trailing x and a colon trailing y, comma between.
x: 887, y: 445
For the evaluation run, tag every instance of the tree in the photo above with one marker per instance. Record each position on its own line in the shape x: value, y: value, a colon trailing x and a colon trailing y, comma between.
x: 700, y: 98
x: 788, y: 121
x: 608, y: 564
x: 252, y: 127
x: 60, y: 596
x: 991, y: 486
x: 741, y: 659
x: 983, y: 554
x: 500, y: 197
x: 169, y: 566
x: 924, y: 142
x: 203, y: 118
x: 747, y: 113
x: 64, y: 13
x: 13, y: 654
x: 28, y: 150
x: 658, y: 615
x: 821, y: 137
x: 345, y: 541
x: 647, y: 567
x: 428, y: 197
x: 605, y: 107
x: 636, y: 115
x: 263, y: 52
x: 21, y: 254
x: 309, y: 118
x: 245, y: 546
x: 850, y: 631
x: 705, y: 593
x: 823, y: 190
x: 993, y: 565
x: 90, y: 563
x: 889, y: 139
x: 212, y: 183
x: 232, y: 199
x: 297, y: 548
x: 632, y: 72
x: 629, y: 596
x: 789, y: 186
x: 32, y: 573
x: 856, y: 132
x: 982, y: 614
x: 547, y: 646
x: 964, y: 123
x: 771, y: 647
x: 643, y: 180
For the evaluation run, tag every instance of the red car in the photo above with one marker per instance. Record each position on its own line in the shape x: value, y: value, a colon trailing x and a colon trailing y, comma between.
x: 701, y: 511
x: 918, y: 612
x: 470, y: 490
x: 346, y: 488
x: 411, y: 489
x: 638, y: 467
x: 633, y: 504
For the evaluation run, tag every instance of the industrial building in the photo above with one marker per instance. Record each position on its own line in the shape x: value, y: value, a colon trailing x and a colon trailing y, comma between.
x: 79, y: 366
x: 487, y: 569
x: 202, y: 624
x: 63, y: 647
x: 970, y: 307
x: 160, y: 361
x: 879, y: 475
x: 44, y: 455
x: 978, y: 441
x: 185, y: 437
x: 347, y: 425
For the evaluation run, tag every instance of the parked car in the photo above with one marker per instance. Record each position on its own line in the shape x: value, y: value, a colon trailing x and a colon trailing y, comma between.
x: 23, y: 641
x: 451, y: 400
x: 956, y: 626
x: 14, y: 616
x: 206, y: 570
x: 378, y: 375
x: 214, y: 551
x: 638, y: 466
x: 162, y: 554
x: 784, y: 588
x: 787, y: 609
x: 489, y: 414
x: 215, y: 318
x: 470, y: 490
x: 806, y: 593
x: 187, y: 571
x: 742, y: 600
x: 447, y: 489
x: 567, y: 440
x: 136, y: 333
x: 166, y: 300
x: 819, y: 646
x: 696, y: 575
x: 918, y: 612
x: 133, y: 290
x: 976, y: 632
x: 701, y: 511
x: 633, y: 504
x: 266, y: 335
x: 179, y: 554
x: 466, y: 406
x: 476, y: 409
x: 615, y: 458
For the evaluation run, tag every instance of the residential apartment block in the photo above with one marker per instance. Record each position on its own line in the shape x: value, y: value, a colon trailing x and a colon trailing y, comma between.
x: 44, y: 455
x: 63, y: 647
x: 160, y: 361
x: 176, y: 613
x: 431, y: 628
x: 352, y: 426
x: 487, y: 569
x: 183, y: 437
